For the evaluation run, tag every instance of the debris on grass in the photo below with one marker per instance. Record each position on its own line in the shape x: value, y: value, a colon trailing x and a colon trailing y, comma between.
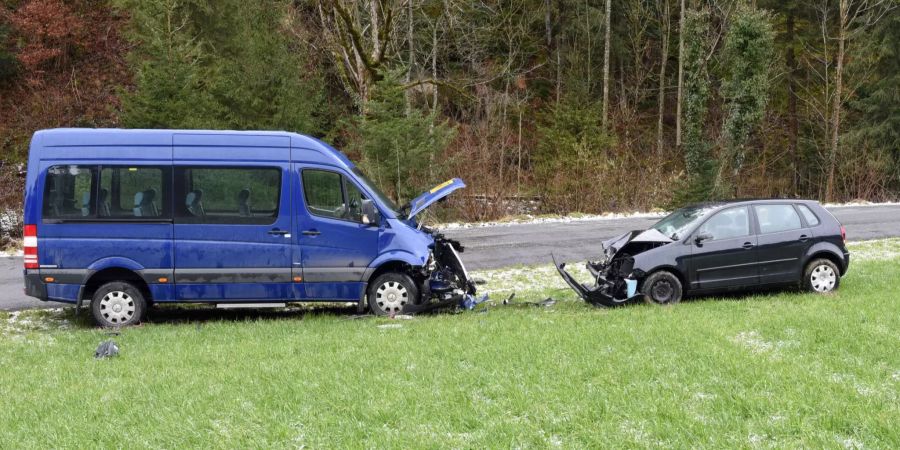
x: 107, y: 349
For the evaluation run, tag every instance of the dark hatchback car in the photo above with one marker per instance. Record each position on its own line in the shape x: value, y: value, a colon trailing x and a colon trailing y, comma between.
x: 718, y: 247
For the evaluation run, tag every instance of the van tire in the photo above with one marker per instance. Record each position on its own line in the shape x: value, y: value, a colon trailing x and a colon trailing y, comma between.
x: 821, y: 276
x: 662, y: 288
x: 118, y: 304
x: 390, y: 292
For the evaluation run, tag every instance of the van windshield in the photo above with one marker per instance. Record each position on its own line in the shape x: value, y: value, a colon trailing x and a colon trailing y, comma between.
x: 373, y: 188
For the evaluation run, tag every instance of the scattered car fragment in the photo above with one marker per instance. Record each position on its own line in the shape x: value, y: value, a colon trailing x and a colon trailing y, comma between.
x: 716, y: 247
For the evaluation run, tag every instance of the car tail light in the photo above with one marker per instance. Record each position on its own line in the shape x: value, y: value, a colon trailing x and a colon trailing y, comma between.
x: 31, y: 249
x: 843, y: 234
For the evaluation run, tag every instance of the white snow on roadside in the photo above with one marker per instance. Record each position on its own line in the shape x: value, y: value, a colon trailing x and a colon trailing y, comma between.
x: 17, y: 253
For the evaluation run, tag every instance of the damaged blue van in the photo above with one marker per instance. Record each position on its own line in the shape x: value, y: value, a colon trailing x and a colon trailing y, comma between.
x: 124, y: 219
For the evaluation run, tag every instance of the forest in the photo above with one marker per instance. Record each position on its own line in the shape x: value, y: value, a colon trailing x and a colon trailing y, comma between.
x: 540, y: 106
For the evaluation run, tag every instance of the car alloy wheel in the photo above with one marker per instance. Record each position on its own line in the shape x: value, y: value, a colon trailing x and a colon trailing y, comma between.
x: 822, y: 278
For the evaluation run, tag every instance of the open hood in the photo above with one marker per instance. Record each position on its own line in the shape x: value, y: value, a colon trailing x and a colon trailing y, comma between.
x: 436, y: 193
x: 634, y: 242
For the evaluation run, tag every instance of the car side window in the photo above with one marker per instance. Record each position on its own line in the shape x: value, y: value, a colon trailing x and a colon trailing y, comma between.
x: 730, y: 223
x: 810, y: 217
x: 324, y: 193
x: 775, y: 218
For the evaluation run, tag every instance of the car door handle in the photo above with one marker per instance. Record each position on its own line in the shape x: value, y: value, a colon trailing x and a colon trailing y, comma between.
x: 277, y: 232
x: 311, y: 232
x: 748, y: 245
x: 804, y: 238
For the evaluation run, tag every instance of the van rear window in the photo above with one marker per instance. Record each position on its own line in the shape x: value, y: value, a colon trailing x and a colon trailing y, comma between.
x: 101, y: 193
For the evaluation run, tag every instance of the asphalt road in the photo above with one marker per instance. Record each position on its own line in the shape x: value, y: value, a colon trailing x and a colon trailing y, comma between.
x: 507, y: 245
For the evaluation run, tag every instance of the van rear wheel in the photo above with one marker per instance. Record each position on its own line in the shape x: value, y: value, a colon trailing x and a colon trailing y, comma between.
x: 390, y: 292
x: 118, y: 304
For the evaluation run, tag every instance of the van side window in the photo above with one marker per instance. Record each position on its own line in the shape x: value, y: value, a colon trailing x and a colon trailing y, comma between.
x: 69, y: 192
x: 775, y: 218
x: 134, y: 192
x: 810, y: 217
x: 227, y: 195
x: 324, y: 193
x: 354, y: 201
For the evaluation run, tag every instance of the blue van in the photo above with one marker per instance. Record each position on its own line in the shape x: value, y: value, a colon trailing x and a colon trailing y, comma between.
x: 124, y: 219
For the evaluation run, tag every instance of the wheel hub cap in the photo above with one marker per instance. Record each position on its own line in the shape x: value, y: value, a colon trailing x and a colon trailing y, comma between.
x: 117, y: 307
x: 823, y: 278
x: 391, y: 297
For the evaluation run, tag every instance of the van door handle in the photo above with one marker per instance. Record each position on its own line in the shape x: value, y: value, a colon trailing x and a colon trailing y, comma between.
x: 748, y: 245
x: 277, y: 232
x: 804, y: 238
x: 311, y: 232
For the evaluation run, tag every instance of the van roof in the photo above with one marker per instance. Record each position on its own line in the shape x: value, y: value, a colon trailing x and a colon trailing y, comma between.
x: 91, y: 137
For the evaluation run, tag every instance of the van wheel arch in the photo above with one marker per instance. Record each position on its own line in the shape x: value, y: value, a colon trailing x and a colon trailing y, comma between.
x: 101, y: 277
x: 394, y: 266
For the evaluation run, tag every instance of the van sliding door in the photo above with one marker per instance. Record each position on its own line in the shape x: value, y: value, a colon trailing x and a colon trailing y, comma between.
x: 233, y: 221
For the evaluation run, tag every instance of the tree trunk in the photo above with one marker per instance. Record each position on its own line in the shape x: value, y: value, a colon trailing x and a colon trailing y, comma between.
x: 793, y: 124
x: 837, y: 96
x: 662, y: 78
x: 606, y: 65
x: 680, y: 76
x: 412, y: 55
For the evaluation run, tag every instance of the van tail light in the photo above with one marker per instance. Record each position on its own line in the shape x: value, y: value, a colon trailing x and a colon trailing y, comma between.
x: 31, y: 249
x: 843, y: 234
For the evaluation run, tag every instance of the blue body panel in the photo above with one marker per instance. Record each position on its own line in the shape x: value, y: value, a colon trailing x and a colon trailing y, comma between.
x: 207, y: 262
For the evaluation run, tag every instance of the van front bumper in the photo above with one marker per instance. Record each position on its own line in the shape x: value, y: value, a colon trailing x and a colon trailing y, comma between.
x: 34, y: 286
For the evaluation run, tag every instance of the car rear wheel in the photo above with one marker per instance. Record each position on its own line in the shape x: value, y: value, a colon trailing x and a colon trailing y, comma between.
x: 662, y: 288
x: 390, y: 292
x: 821, y: 275
x: 118, y: 304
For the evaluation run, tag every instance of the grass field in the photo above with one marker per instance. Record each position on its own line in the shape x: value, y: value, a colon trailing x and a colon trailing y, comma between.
x: 770, y: 370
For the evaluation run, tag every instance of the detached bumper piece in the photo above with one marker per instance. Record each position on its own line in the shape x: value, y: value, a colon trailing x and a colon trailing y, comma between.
x: 604, y: 292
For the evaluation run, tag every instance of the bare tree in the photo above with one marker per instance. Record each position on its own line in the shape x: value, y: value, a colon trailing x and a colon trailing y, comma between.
x: 680, y: 76
x: 665, y: 26
x: 854, y: 17
x: 358, y: 33
x: 606, y: 64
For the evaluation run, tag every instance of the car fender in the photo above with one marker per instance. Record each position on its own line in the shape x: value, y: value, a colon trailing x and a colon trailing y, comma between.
x: 115, y: 262
x: 825, y: 247
x: 401, y: 256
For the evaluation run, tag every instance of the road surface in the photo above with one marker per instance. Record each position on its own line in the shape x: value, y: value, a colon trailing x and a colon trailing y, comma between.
x: 506, y: 245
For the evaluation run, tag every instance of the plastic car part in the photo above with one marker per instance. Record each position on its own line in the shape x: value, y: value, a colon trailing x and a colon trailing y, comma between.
x: 604, y: 292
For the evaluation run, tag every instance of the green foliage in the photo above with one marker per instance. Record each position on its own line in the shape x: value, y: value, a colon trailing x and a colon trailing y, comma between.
x: 747, y: 55
x: 224, y: 64
x: 8, y: 65
x: 572, y: 150
x: 878, y: 128
x: 398, y: 149
x: 699, y: 165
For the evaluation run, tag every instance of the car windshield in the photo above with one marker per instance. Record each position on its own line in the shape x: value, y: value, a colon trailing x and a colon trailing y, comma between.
x: 681, y: 220
x: 383, y: 199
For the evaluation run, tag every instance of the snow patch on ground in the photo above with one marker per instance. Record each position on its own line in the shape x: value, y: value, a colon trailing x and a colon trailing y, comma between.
x: 14, y: 254
x: 876, y: 249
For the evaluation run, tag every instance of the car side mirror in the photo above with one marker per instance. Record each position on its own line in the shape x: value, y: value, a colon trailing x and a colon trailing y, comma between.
x: 370, y: 214
x: 702, y: 237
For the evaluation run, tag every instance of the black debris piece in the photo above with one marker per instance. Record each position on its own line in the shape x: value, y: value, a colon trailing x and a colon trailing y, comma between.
x: 107, y: 349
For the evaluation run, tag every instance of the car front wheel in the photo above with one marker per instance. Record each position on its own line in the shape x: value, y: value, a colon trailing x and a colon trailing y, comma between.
x: 821, y: 275
x: 390, y: 292
x: 662, y: 288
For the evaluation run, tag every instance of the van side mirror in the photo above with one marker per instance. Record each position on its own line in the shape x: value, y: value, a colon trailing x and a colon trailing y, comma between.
x: 702, y: 237
x: 370, y: 214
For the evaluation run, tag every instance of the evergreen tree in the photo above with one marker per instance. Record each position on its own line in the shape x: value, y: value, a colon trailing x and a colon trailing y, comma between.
x: 227, y: 64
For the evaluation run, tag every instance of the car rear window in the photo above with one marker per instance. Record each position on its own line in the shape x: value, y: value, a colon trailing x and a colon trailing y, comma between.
x: 775, y: 218
x: 810, y: 217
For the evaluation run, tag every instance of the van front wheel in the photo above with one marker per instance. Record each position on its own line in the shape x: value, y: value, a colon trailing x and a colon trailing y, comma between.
x: 390, y: 292
x: 118, y: 304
